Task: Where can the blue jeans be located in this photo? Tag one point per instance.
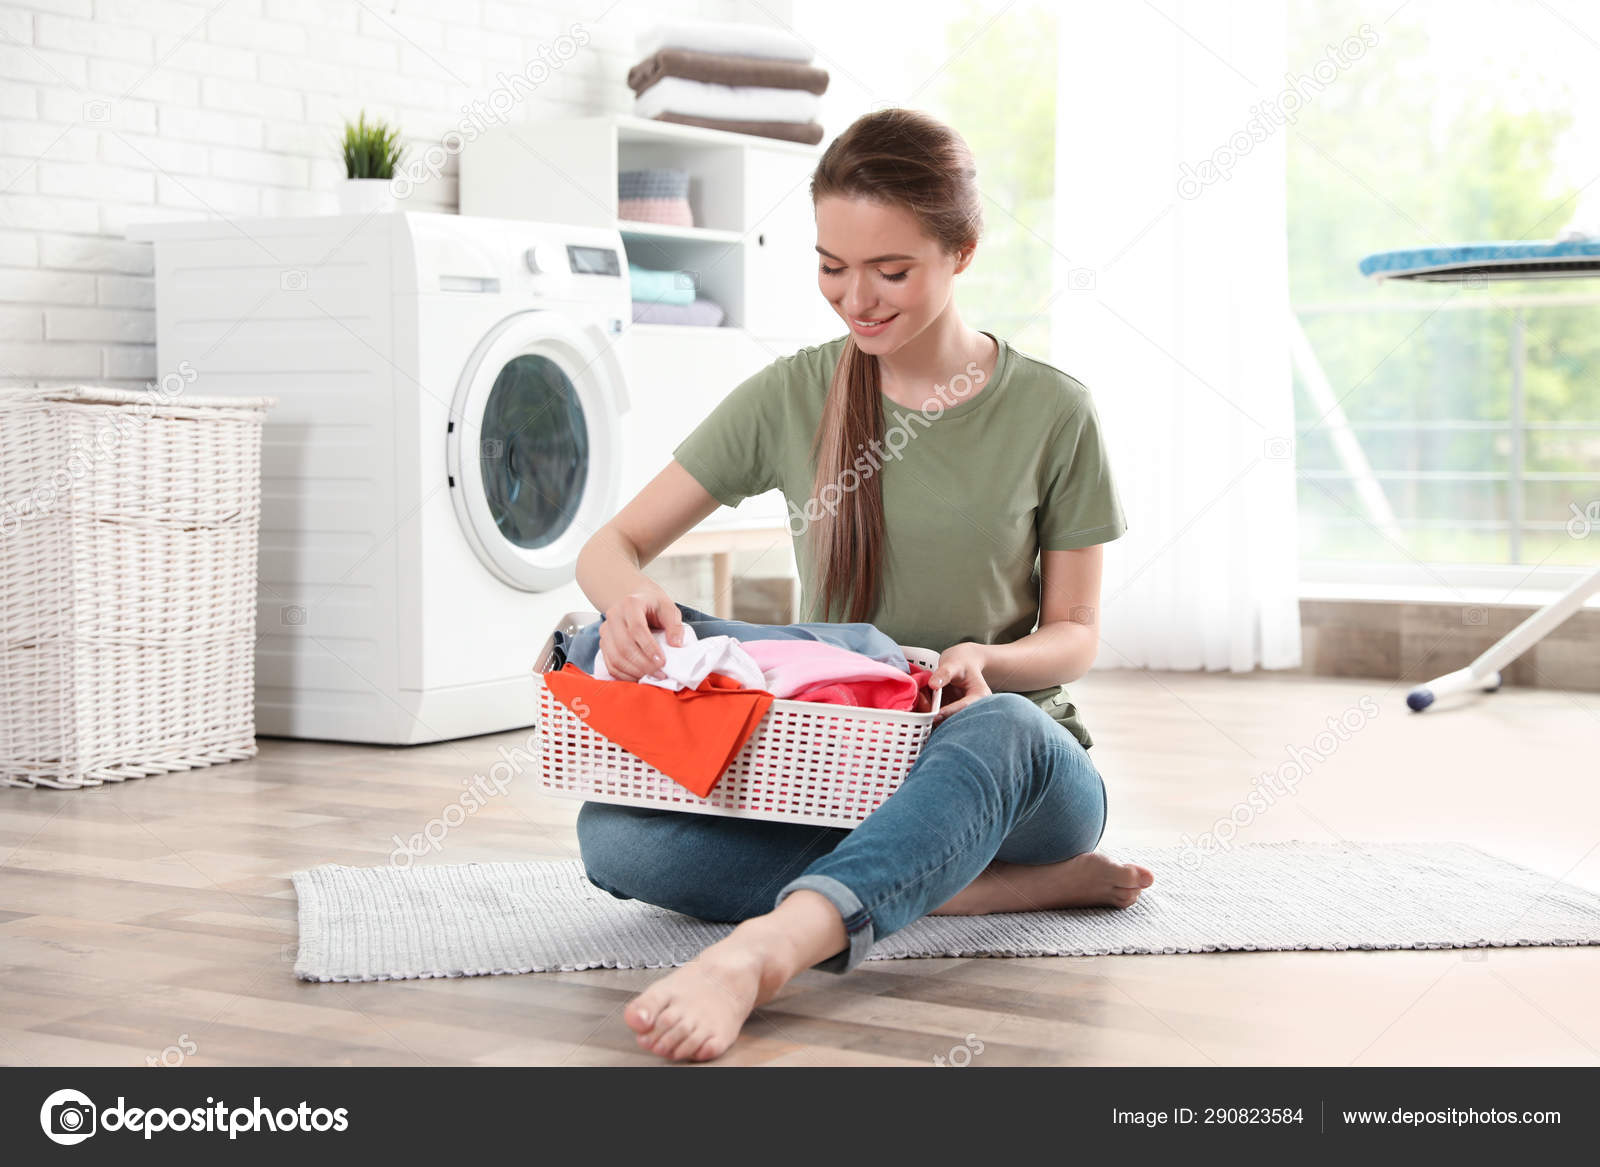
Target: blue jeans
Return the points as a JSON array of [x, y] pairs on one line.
[[998, 779]]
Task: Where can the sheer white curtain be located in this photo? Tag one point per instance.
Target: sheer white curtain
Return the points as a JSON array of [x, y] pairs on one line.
[[1172, 306]]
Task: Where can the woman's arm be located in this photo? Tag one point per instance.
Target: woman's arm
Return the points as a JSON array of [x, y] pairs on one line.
[[609, 568], [1068, 636], [1058, 652]]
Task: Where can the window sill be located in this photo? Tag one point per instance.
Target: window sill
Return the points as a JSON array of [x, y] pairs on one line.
[[1485, 585]]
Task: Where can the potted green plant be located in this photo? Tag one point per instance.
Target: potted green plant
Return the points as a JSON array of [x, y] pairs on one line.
[[371, 150]]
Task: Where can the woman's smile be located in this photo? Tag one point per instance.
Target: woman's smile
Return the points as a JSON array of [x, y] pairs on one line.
[[871, 327]]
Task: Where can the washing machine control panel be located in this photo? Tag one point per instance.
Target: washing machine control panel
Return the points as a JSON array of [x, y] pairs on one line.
[[547, 258], [533, 264], [594, 261]]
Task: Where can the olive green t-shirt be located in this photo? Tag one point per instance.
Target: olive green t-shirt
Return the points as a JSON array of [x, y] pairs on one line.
[[972, 492]]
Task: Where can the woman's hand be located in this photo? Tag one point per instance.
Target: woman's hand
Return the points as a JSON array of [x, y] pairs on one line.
[[960, 669], [627, 639]]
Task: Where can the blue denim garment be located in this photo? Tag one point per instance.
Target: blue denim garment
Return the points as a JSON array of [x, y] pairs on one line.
[[998, 779], [862, 638]]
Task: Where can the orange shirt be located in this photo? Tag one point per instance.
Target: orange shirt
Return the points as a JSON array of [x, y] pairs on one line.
[[690, 735]]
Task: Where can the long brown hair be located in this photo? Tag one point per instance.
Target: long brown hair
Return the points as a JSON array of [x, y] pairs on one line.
[[903, 158]]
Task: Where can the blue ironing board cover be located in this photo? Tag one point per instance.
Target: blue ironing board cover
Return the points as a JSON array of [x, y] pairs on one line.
[[1504, 260]]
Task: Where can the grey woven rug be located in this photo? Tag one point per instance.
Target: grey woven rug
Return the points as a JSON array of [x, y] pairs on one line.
[[386, 923]]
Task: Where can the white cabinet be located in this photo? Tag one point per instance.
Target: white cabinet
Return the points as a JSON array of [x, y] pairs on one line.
[[780, 258], [751, 248]]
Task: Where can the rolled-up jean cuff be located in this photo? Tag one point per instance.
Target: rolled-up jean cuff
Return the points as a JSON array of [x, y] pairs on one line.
[[857, 924]]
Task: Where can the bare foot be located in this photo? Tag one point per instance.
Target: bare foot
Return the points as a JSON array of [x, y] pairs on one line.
[[1090, 880], [695, 1012]]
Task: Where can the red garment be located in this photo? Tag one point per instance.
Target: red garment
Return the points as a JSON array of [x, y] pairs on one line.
[[877, 693], [690, 735]]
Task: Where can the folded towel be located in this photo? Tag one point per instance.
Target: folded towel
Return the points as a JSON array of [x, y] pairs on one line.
[[721, 36], [661, 287], [658, 182], [702, 313], [809, 133], [725, 70], [702, 99], [672, 212]]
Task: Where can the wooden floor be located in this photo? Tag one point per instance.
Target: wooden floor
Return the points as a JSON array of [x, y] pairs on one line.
[[155, 919]]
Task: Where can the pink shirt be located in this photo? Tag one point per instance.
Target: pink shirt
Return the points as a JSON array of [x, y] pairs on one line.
[[807, 670]]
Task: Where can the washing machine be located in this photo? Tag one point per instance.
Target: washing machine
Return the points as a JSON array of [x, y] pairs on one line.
[[447, 434]]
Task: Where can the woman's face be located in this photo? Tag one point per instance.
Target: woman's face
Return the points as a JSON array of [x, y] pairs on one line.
[[885, 278]]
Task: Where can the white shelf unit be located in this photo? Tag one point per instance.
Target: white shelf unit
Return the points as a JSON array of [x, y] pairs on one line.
[[752, 248]]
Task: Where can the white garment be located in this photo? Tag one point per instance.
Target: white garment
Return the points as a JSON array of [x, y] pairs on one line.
[[1176, 319], [721, 36], [694, 660], [740, 103]]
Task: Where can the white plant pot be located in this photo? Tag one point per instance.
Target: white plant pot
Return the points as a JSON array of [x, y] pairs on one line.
[[363, 196]]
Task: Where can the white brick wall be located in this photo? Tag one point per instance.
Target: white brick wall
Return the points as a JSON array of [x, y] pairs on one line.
[[121, 111]]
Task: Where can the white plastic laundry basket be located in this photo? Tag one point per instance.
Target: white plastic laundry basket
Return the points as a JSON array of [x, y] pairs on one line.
[[128, 527], [806, 762]]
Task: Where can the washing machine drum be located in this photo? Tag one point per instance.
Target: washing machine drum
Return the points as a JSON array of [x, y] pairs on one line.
[[532, 449]]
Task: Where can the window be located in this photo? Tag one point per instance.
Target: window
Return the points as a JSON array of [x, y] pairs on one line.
[[947, 61], [1457, 424]]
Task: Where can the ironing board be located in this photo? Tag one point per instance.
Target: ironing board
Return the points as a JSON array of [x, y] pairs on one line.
[[1471, 263]]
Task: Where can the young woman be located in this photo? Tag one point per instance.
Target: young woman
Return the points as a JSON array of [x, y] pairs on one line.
[[949, 490]]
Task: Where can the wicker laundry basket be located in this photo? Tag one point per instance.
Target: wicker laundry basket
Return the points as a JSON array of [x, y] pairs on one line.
[[128, 528], [806, 762]]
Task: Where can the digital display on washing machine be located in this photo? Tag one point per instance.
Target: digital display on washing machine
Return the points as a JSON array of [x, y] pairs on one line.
[[593, 261]]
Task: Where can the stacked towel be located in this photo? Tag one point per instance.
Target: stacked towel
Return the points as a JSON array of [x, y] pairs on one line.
[[737, 77], [701, 313], [660, 195], [669, 297], [660, 287]]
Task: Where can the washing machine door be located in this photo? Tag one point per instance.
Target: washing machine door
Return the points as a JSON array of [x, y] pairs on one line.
[[533, 446]]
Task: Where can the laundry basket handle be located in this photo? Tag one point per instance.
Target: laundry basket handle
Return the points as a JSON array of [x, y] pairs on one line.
[[927, 659]]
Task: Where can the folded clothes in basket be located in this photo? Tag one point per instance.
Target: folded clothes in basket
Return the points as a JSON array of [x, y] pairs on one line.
[[794, 670], [873, 694], [690, 735], [583, 647], [805, 670], [695, 659]]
